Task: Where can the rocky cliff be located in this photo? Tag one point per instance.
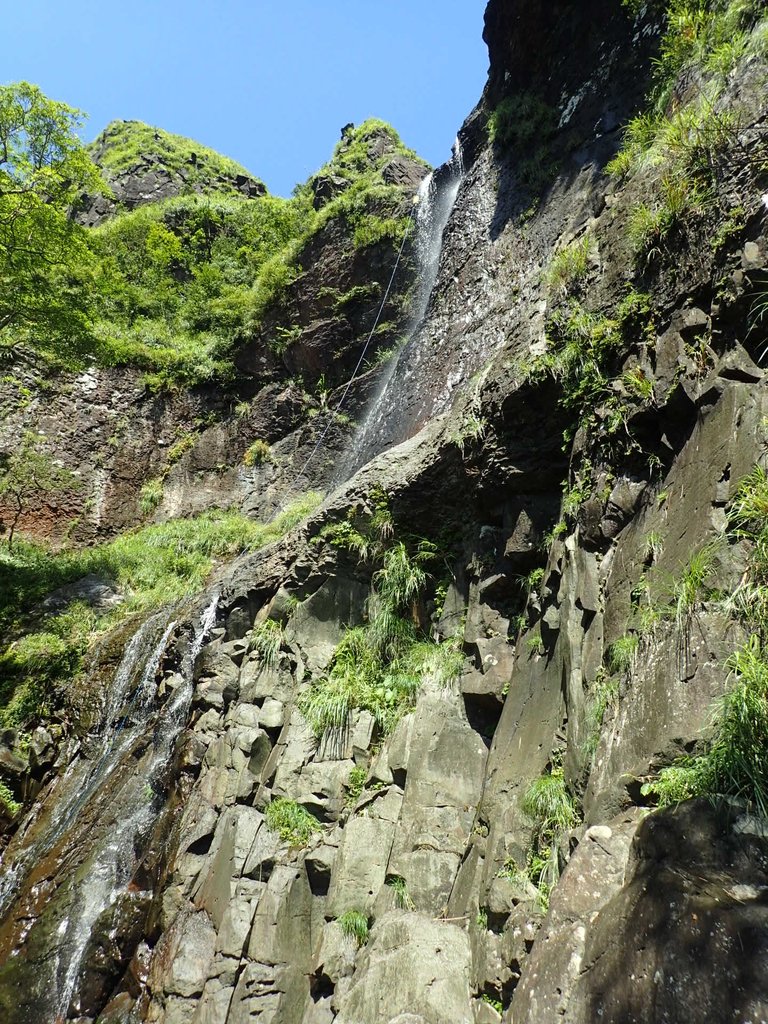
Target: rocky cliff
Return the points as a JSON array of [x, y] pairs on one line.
[[482, 737]]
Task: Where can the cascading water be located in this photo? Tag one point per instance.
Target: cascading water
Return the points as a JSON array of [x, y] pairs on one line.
[[436, 198], [105, 811]]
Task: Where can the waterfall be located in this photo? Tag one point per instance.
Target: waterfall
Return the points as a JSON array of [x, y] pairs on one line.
[[436, 197], [107, 808]]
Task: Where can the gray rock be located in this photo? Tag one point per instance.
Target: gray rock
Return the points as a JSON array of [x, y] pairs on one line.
[[412, 968]]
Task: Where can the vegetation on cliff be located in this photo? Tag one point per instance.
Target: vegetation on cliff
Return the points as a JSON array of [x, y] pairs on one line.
[[172, 287], [125, 144], [149, 567]]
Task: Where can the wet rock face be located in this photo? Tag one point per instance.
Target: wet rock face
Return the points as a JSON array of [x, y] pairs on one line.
[[425, 834]]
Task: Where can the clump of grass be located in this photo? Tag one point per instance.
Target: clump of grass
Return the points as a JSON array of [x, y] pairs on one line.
[[399, 888], [549, 804], [691, 586], [257, 454], [638, 384], [292, 822], [552, 810], [180, 448], [267, 639], [379, 667], [471, 430], [654, 545], [748, 511], [604, 695], [570, 265], [651, 223], [622, 653], [354, 925], [735, 763], [150, 496], [525, 124]]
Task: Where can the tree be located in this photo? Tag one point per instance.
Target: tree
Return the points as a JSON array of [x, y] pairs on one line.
[[45, 259], [26, 475]]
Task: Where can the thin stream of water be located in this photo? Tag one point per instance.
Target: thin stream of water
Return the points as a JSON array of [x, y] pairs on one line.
[[435, 204], [128, 812], [112, 864]]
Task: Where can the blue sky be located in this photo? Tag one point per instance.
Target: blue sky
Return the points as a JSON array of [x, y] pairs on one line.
[[267, 82]]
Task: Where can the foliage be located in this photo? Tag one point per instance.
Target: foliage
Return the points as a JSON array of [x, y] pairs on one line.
[[638, 384], [548, 803], [292, 822], [622, 653], [27, 476], [8, 800], [650, 224], [683, 144], [691, 587], [150, 496], [603, 696], [552, 810], [399, 886], [124, 144], [472, 428], [525, 124], [734, 764], [354, 925], [748, 511], [570, 265], [356, 781], [267, 639], [44, 257], [153, 565], [172, 287], [257, 454], [379, 667], [364, 532]]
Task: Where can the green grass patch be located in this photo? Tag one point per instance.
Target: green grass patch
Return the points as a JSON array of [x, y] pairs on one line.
[[292, 822], [570, 265], [379, 667], [153, 565], [354, 925], [123, 145]]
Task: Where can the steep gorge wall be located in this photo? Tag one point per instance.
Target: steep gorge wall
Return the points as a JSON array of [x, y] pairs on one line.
[[654, 911]]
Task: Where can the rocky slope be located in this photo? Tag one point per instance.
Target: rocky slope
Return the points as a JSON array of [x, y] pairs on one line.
[[481, 843]]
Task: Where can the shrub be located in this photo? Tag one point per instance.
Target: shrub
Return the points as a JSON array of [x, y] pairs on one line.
[[257, 454], [354, 925], [292, 822]]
